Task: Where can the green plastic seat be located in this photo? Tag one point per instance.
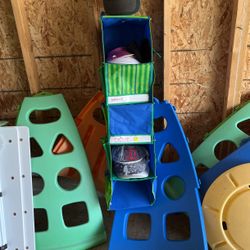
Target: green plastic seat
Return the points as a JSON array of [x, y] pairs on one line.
[[228, 130], [54, 201]]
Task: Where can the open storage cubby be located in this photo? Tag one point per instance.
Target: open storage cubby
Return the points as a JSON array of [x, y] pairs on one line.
[[130, 193], [127, 83], [130, 124]]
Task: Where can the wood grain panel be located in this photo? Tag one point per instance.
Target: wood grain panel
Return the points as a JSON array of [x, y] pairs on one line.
[[154, 9], [67, 72], [197, 125], [199, 67], [10, 103], [9, 44], [245, 91], [76, 98], [200, 24], [246, 73], [13, 76], [61, 28], [196, 98]]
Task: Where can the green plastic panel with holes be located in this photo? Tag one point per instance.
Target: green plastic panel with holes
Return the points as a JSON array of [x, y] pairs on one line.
[[71, 210], [232, 130]]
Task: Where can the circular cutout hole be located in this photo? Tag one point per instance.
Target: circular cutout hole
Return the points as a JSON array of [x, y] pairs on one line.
[[69, 178], [10, 141], [224, 148], [98, 116], [14, 214], [174, 188], [38, 183], [224, 225]]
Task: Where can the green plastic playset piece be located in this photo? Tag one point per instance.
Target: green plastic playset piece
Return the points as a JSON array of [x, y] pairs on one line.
[[53, 198], [227, 131]]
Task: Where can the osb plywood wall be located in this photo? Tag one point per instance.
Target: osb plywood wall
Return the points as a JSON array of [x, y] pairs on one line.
[[200, 36], [65, 44], [66, 49], [245, 88]]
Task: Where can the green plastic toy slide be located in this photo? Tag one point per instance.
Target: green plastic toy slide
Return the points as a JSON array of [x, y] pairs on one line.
[[73, 215]]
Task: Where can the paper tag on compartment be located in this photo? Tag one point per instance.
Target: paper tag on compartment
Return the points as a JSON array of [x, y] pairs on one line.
[[128, 99], [130, 139]]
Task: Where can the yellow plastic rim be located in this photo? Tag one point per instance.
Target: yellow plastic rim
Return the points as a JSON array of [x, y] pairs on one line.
[[226, 208]]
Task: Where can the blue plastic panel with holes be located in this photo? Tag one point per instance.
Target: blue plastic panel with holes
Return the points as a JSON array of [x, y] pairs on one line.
[[238, 157], [168, 202]]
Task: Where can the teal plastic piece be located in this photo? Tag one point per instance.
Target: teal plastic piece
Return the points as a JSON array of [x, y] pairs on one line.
[[3, 123], [53, 197], [226, 131]]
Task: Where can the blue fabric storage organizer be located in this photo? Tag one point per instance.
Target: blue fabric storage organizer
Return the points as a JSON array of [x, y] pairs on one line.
[[130, 193], [119, 31], [131, 123], [188, 203], [127, 83], [130, 120]]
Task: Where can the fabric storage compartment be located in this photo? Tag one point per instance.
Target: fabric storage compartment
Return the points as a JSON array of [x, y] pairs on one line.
[[130, 123], [130, 193], [127, 83]]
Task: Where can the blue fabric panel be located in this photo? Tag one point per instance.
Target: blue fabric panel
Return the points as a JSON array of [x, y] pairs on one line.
[[131, 119], [120, 32], [131, 194]]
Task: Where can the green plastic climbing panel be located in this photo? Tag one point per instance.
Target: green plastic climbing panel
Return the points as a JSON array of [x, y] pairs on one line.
[[228, 130], [73, 214]]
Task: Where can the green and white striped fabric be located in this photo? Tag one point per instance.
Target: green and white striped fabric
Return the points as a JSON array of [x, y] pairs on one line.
[[128, 79]]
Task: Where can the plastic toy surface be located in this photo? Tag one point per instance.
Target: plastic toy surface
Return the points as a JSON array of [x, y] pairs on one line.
[[238, 157], [226, 209], [226, 131], [131, 83], [73, 215], [16, 204], [121, 7], [91, 132], [167, 203]]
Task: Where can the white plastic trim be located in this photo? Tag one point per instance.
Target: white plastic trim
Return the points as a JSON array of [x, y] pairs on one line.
[[17, 214], [128, 99], [130, 139]]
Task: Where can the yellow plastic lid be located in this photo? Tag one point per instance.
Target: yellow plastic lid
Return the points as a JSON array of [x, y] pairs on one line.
[[226, 208]]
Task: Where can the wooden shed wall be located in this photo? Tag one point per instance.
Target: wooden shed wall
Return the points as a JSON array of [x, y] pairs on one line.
[[65, 42]]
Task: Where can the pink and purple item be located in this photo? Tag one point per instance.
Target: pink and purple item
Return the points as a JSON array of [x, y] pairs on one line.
[[121, 56]]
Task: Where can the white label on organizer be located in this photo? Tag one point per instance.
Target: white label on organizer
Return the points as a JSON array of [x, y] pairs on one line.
[[128, 99], [16, 188], [130, 139]]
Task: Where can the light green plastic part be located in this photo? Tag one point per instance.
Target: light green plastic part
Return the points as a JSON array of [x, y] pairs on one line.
[[226, 131], [53, 197], [3, 123]]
